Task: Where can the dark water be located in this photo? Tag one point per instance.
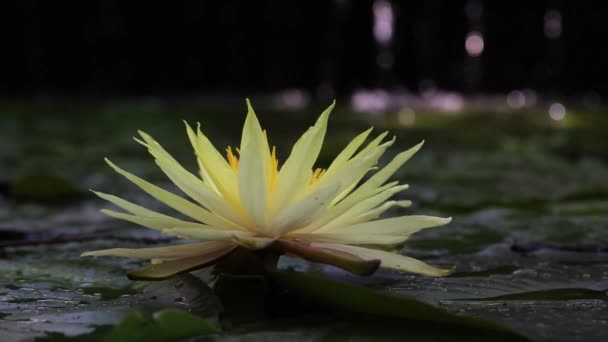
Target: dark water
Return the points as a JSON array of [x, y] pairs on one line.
[[529, 197]]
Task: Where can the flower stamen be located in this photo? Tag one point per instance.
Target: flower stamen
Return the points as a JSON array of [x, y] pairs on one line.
[[274, 167], [232, 159], [319, 172]]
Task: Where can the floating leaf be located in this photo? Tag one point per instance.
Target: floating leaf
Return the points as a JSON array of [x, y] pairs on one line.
[[166, 325], [552, 294], [182, 323], [361, 300]]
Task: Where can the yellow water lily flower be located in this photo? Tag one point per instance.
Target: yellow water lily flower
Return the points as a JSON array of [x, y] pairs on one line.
[[249, 200]]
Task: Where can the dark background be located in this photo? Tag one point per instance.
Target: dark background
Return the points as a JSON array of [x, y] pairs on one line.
[[115, 48]]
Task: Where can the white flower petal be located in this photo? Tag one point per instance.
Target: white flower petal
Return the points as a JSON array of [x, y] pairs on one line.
[[389, 260], [401, 225], [252, 130], [295, 172], [354, 170], [352, 214], [218, 170], [176, 202], [368, 188], [254, 184], [163, 269], [131, 207], [205, 234], [194, 187], [350, 239], [379, 210], [194, 142], [254, 172], [252, 242], [351, 173], [348, 151], [165, 252], [305, 210], [157, 223], [372, 145]]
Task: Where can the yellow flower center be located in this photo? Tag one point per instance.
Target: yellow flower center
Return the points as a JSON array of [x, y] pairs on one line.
[[233, 161]]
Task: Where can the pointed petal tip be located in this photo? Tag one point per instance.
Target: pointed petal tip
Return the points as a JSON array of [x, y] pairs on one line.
[[330, 108], [413, 150], [404, 203], [141, 142], [445, 273], [99, 194], [106, 212], [188, 126]]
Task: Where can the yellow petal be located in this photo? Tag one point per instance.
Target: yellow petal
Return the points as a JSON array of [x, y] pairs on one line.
[[192, 186], [295, 172], [348, 151], [170, 268], [372, 145], [165, 252], [252, 242], [252, 130], [156, 223], [379, 210], [368, 188], [254, 172], [218, 169], [176, 202], [352, 214], [401, 225], [351, 239], [305, 210], [131, 207], [389, 260], [208, 233], [346, 261], [353, 171], [194, 142]]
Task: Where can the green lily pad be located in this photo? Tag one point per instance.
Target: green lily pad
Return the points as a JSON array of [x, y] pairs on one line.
[[165, 325], [349, 298]]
